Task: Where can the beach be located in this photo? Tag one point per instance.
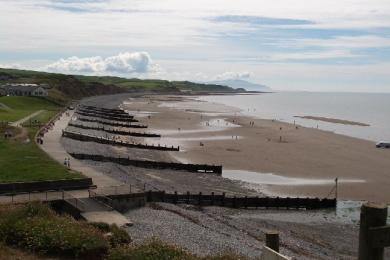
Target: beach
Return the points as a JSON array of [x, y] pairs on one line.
[[247, 151], [218, 134]]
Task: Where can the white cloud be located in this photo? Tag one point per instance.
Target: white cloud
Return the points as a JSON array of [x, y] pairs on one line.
[[233, 75], [123, 63], [11, 66], [350, 42], [307, 55]]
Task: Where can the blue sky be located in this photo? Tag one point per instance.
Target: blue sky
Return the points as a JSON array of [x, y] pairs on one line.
[[334, 45]]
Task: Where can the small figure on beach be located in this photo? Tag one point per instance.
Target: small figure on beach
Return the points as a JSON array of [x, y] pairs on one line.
[[68, 164]]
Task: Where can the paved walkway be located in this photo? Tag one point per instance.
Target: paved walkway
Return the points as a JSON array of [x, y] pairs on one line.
[[21, 121], [52, 146]]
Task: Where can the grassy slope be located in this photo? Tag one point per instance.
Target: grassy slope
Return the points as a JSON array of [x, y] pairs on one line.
[[23, 106], [21, 161], [75, 86]]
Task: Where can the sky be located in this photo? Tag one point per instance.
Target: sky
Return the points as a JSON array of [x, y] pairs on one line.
[[316, 45]]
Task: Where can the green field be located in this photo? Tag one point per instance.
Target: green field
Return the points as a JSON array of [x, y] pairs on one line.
[[25, 161], [15, 108]]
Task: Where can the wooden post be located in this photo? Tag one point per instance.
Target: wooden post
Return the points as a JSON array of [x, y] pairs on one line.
[[371, 215], [272, 240]]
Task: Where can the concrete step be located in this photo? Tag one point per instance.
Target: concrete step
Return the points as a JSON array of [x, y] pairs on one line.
[[109, 217]]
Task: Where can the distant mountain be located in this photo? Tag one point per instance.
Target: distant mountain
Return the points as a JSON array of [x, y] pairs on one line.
[[239, 83]]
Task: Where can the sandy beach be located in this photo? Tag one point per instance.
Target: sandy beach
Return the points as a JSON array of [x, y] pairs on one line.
[[300, 161], [303, 164]]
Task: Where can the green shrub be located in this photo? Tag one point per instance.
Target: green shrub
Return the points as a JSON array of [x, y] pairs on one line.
[[117, 235], [101, 226], [153, 250], [37, 228]]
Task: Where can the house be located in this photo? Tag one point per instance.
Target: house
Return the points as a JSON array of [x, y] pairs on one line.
[[26, 90]]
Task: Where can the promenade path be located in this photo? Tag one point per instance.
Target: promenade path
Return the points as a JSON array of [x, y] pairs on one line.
[[52, 146]]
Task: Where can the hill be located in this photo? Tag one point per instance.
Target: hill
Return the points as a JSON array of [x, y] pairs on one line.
[[238, 83], [64, 87]]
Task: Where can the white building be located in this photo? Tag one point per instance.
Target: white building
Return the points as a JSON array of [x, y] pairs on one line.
[[25, 90]]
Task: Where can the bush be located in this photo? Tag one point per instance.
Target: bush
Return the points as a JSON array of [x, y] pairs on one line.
[[153, 250], [37, 228], [117, 235]]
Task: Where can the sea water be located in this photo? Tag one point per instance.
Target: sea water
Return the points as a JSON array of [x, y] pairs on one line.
[[368, 108]]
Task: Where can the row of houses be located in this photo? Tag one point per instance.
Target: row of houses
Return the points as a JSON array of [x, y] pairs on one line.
[[24, 90]]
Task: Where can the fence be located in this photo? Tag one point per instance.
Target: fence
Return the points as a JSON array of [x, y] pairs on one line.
[[111, 123], [114, 118], [212, 169], [65, 184], [104, 140], [113, 131]]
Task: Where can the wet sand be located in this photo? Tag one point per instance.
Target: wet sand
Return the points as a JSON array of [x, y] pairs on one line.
[[216, 134], [333, 120]]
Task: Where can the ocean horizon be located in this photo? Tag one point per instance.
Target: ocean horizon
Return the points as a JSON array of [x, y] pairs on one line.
[[372, 109]]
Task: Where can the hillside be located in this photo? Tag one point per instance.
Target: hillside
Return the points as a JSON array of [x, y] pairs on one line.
[[64, 87], [238, 83]]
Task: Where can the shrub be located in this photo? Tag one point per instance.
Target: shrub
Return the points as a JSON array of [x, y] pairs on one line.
[[153, 250], [37, 228], [117, 236]]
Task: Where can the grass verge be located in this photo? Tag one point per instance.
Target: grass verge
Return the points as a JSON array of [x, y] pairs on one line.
[[21, 160]]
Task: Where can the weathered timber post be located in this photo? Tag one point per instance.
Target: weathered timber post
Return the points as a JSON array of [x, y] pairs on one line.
[[149, 196], [371, 215], [200, 199], [272, 240], [175, 198]]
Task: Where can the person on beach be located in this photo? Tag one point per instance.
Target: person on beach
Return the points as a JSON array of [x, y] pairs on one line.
[[65, 162], [68, 163]]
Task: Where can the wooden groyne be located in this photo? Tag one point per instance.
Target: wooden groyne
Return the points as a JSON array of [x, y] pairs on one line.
[[113, 118], [113, 131], [212, 169], [122, 115], [104, 140], [110, 123], [102, 109], [222, 200], [241, 202]]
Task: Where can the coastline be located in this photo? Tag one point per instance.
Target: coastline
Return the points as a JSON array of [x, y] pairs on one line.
[[216, 134]]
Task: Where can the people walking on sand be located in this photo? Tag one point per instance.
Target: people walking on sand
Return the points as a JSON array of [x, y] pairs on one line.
[[68, 163]]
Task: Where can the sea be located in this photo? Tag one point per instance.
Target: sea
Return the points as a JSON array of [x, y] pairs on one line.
[[368, 108]]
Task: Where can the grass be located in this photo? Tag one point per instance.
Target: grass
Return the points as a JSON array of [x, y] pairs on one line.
[[20, 107], [22, 161]]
